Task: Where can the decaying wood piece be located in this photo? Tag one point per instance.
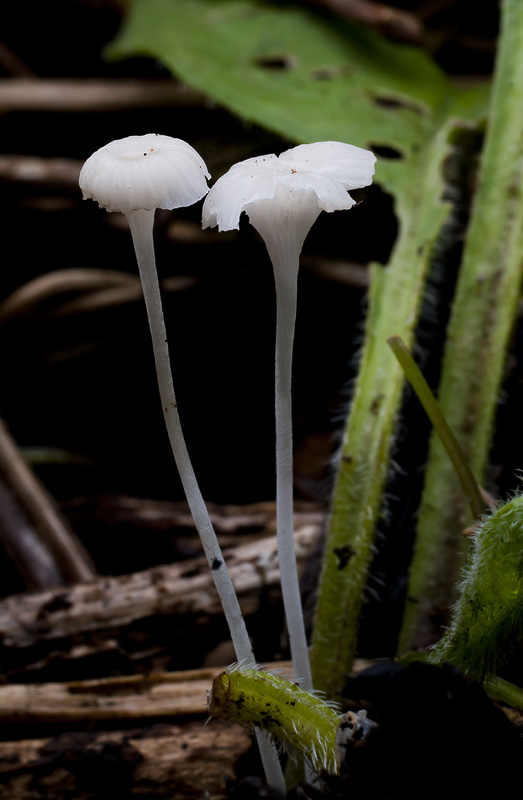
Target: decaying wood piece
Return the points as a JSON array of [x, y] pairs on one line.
[[166, 761], [113, 612], [160, 695]]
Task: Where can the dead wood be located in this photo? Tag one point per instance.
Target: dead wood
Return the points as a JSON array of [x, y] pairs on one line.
[[164, 761], [171, 608], [158, 695]]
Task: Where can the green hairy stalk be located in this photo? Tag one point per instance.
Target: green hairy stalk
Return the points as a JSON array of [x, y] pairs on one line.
[[484, 310], [303, 722], [487, 620], [394, 307]]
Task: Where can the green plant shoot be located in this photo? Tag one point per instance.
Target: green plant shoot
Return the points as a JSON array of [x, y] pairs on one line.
[[303, 722]]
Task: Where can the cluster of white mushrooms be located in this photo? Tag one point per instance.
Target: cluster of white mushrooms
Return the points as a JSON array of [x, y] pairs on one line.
[[282, 196]]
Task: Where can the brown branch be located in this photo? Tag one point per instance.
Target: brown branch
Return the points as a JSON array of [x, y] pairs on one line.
[[69, 95], [40, 509], [158, 695], [63, 172], [166, 612], [13, 64], [389, 21], [92, 288], [22, 544], [163, 515]]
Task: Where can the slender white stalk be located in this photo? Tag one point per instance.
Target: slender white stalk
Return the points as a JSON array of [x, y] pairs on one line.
[[286, 280], [141, 224], [284, 239]]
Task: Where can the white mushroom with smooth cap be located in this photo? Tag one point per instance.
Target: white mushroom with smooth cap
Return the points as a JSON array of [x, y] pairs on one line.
[[283, 196]]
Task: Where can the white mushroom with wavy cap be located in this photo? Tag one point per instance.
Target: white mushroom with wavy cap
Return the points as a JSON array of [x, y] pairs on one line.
[[283, 196]]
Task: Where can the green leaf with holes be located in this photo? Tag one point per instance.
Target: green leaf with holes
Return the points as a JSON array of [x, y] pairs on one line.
[[301, 75]]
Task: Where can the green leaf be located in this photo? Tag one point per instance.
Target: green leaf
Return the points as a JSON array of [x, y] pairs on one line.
[[305, 77]]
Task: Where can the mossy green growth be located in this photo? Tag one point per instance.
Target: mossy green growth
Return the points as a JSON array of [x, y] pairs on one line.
[[304, 723], [487, 621]]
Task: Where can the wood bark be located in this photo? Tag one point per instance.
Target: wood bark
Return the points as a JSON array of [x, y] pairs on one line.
[[171, 610], [171, 762], [159, 695]]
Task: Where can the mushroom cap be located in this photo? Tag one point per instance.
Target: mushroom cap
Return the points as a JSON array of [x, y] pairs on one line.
[[144, 172], [322, 173]]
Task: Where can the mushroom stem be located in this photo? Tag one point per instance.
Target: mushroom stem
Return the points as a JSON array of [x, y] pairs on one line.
[[141, 225], [286, 281]]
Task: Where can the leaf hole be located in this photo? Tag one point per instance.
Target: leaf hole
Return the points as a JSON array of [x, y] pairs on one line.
[[276, 63], [384, 151], [396, 103]]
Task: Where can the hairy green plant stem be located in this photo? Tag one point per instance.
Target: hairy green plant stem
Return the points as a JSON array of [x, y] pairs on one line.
[[304, 723], [395, 300], [483, 315]]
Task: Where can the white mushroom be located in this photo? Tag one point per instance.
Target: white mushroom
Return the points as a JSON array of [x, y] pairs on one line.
[[135, 176], [283, 196]]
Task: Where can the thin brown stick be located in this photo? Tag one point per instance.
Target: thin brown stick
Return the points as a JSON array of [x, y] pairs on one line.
[[63, 172], [23, 546], [13, 64], [158, 695], [388, 20], [69, 95], [74, 562]]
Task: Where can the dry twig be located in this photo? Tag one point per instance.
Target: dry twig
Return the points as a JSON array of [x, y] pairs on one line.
[[72, 560], [74, 95], [390, 21]]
